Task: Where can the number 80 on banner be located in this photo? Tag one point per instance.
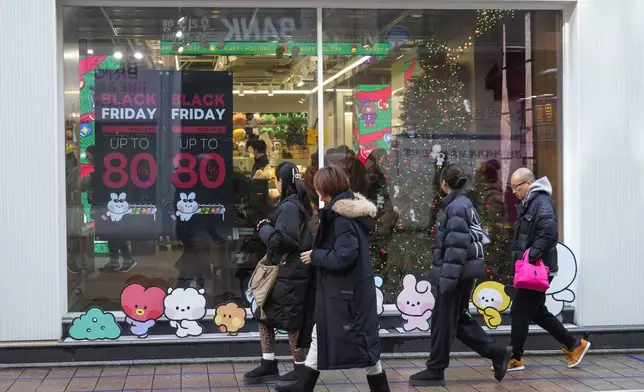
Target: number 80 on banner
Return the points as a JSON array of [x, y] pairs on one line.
[[188, 171]]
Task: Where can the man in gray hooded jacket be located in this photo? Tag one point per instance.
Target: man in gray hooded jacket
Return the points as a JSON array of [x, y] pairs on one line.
[[536, 229]]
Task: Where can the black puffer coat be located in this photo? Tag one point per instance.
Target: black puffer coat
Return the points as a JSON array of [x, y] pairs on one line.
[[342, 303], [459, 249], [536, 226], [287, 234]]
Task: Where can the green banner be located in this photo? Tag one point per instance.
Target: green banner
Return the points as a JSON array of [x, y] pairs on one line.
[[268, 48]]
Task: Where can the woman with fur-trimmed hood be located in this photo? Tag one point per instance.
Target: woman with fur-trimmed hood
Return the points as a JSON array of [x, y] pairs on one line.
[[341, 320]]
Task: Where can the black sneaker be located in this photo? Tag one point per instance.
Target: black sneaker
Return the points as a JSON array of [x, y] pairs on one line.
[[306, 380], [290, 377], [266, 372], [112, 266], [501, 366], [428, 378], [127, 266], [73, 268]]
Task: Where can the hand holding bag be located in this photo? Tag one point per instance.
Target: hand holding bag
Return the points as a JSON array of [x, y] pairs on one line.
[[531, 276], [262, 282]]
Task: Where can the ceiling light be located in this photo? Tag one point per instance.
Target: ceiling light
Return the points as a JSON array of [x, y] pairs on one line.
[[417, 16], [138, 55], [348, 103], [90, 51], [241, 90], [399, 56], [342, 71], [179, 34], [300, 83], [181, 20], [180, 50], [348, 113], [270, 91], [118, 55]]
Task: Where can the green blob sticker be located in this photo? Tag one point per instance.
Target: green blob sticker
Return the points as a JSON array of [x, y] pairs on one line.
[[95, 324]]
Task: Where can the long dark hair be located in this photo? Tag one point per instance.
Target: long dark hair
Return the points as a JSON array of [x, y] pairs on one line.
[[454, 176], [289, 174]]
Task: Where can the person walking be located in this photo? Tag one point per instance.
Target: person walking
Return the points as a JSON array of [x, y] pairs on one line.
[[457, 261], [536, 229], [341, 322], [286, 234]]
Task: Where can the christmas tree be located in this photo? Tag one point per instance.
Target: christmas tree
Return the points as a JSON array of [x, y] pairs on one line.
[[434, 131], [433, 116]]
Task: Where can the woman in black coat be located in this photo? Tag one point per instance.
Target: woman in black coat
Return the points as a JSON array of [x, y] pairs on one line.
[[457, 261], [286, 234], [341, 322]]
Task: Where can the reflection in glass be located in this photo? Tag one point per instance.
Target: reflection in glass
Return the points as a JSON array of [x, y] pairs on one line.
[[183, 57], [422, 89]]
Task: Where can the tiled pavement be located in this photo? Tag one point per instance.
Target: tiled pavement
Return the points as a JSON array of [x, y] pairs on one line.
[[597, 373]]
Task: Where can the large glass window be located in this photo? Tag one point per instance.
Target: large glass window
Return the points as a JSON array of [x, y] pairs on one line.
[[421, 89], [176, 119]]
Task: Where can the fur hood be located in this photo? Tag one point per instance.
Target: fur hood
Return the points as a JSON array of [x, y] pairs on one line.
[[356, 207]]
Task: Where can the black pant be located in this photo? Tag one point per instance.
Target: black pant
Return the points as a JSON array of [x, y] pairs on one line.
[[115, 246], [528, 306], [451, 319]]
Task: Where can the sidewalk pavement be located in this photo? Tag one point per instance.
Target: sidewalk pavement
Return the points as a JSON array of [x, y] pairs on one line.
[[596, 373]]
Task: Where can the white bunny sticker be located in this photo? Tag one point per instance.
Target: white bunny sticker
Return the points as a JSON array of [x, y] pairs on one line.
[[187, 206], [117, 207], [415, 303]]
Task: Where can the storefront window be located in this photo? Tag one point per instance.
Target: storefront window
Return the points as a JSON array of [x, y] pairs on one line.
[[176, 120], [177, 117], [421, 89]]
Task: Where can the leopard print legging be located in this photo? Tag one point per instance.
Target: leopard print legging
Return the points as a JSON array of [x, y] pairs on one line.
[[267, 339]]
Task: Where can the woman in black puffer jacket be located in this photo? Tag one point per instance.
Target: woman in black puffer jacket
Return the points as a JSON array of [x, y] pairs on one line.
[[458, 260], [286, 234], [341, 322]]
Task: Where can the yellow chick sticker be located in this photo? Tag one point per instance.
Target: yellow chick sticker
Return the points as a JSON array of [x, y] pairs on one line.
[[491, 300], [230, 318]]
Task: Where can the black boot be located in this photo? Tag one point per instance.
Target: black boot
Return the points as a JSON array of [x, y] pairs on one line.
[[428, 378], [266, 372], [501, 365], [290, 377], [378, 382], [306, 380]]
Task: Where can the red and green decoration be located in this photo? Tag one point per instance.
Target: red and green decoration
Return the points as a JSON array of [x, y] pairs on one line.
[[86, 69], [372, 120]]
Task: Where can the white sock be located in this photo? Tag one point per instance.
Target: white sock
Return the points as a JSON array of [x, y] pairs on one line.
[[268, 357], [375, 369]]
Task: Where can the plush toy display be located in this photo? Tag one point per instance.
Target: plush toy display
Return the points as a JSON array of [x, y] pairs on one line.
[[239, 119], [312, 136], [239, 134]]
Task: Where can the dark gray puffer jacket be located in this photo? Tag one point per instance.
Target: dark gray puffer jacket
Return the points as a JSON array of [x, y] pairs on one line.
[[459, 243], [536, 226]]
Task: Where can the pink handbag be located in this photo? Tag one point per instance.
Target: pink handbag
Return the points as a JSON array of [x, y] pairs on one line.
[[530, 276]]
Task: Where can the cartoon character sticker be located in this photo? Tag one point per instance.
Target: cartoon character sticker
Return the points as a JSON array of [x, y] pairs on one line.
[[95, 324], [117, 207], [368, 109], [187, 206], [415, 303], [379, 295], [184, 308], [491, 299], [559, 294], [142, 307], [230, 318]]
